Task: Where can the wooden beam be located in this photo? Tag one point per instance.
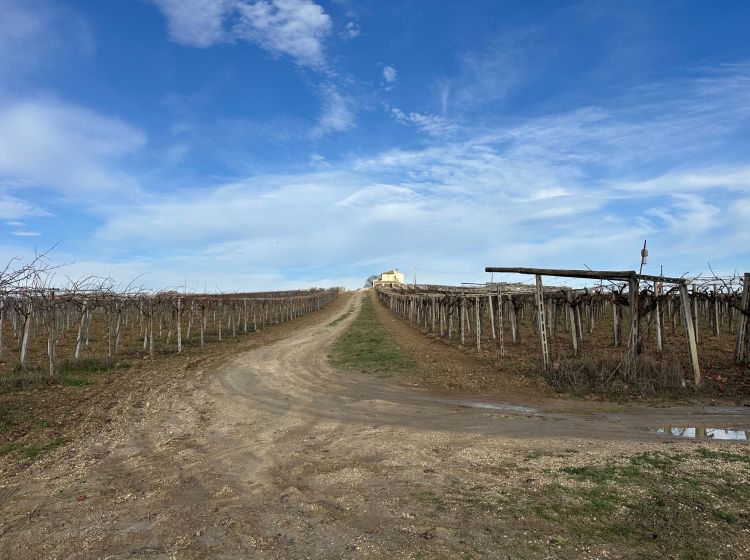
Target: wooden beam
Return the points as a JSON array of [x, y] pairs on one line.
[[621, 275], [592, 274]]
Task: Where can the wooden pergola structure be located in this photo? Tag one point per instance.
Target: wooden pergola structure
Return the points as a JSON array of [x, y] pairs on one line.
[[633, 279]]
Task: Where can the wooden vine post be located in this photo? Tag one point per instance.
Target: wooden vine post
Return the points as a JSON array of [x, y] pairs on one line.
[[542, 321], [572, 320], [690, 331], [633, 302], [740, 347]]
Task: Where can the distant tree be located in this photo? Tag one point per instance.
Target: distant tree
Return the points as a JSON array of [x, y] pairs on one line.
[[370, 280]]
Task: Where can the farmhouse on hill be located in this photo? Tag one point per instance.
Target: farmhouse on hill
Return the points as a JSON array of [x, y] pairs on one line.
[[389, 279]]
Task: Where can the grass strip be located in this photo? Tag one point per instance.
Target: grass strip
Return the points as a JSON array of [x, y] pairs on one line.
[[366, 347]]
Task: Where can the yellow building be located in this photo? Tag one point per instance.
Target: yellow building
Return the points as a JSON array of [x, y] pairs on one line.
[[390, 278]]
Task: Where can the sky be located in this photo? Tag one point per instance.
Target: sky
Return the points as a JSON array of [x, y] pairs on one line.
[[239, 145]]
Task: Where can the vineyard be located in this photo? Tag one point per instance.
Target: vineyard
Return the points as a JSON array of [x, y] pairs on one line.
[[623, 330], [42, 328]]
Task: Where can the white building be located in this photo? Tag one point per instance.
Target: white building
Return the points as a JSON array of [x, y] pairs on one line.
[[389, 278]]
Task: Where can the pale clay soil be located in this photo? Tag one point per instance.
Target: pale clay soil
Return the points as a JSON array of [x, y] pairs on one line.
[[277, 455]]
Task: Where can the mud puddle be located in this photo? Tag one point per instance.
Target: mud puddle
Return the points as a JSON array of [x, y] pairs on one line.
[[503, 407]]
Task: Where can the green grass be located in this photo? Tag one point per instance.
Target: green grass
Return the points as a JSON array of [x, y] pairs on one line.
[[6, 418], [430, 499], [366, 347], [643, 499], [32, 450], [339, 319], [78, 373], [724, 456]]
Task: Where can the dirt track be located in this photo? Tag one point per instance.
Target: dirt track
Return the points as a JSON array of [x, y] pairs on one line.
[[276, 455]]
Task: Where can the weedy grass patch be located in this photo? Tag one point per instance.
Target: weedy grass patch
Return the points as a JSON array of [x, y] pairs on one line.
[[31, 450], [79, 373], [366, 347]]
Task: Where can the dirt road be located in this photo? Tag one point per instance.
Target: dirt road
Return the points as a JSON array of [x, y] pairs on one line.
[[277, 455]]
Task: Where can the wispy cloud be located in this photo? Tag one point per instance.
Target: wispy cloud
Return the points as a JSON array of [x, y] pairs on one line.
[[293, 28], [35, 32], [338, 112], [435, 125], [13, 208], [53, 144], [390, 74], [491, 73], [352, 30]]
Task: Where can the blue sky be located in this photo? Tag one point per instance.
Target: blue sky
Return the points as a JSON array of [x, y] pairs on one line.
[[245, 144]]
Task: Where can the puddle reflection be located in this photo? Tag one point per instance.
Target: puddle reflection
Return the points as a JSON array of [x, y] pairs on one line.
[[485, 405], [703, 432]]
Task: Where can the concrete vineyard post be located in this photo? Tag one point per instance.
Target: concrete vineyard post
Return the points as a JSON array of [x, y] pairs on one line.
[[52, 335], [500, 334], [492, 316], [542, 322], [179, 325], [25, 337], [689, 329], [81, 326], [479, 324]]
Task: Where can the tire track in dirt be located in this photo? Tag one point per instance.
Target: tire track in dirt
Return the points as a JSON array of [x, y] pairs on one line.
[[294, 378]]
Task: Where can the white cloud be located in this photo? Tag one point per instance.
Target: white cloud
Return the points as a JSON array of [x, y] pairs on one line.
[[390, 74], [352, 30], [26, 233], [293, 28], [491, 73], [176, 153], [196, 23], [338, 113], [434, 125], [697, 180], [35, 32], [563, 189], [54, 144], [319, 161], [13, 208]]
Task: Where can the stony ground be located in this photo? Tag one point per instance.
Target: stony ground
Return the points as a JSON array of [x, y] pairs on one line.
[[271, 452]]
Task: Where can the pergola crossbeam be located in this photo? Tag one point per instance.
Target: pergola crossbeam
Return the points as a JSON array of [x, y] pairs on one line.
[[618, 275]]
